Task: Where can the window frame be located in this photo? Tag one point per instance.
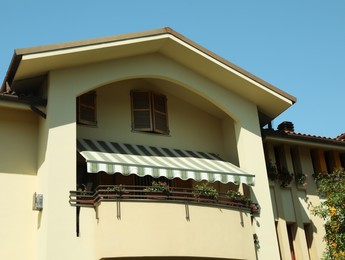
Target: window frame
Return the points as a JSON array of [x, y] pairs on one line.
[[154, 111], [91, 107]]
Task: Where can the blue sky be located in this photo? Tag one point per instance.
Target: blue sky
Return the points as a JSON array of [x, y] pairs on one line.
[[298, 46]]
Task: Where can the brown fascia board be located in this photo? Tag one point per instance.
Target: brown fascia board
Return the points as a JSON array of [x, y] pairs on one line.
[[166, 30], [11, 72], [234, 66], [266, 133]]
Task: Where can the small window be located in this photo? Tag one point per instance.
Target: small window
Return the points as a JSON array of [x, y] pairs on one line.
[[86, 109], [149, 112]]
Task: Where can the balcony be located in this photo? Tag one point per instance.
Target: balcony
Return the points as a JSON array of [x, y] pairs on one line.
[[186, 196], [131, 222]]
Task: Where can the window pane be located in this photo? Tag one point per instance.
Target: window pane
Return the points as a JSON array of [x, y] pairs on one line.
[[87, 109], [160, 103], [142, 120], [149, 112], [141, 100], [87, 114], [88, 99], [161, 124]]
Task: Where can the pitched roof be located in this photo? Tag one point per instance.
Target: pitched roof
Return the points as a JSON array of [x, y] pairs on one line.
[[36, 61], [291, 135]]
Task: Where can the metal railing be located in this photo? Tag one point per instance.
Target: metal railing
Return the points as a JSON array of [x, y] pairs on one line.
[[138, 193]]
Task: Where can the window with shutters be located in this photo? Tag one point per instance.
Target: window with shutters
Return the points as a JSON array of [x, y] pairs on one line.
[[86, 109], [149, 112]]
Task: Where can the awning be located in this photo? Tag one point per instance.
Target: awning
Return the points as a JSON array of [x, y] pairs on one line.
[[111, 157]]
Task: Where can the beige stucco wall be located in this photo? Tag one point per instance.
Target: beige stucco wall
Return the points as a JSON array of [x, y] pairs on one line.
[[190, 127], [18, 133], [252, 158], [161, 229], [18, 168], [294, 205]]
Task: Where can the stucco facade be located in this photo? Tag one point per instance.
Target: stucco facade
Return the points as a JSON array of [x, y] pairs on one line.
[[213, 106], [293, 203]]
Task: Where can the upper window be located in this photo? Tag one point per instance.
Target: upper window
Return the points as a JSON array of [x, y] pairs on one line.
[[86, 108], [149, 112]]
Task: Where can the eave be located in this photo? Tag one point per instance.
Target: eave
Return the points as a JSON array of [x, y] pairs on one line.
[[297, 139], [37, 61]]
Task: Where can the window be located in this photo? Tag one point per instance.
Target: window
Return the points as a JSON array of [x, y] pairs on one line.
[[86, 108], [279, 154], [149, 112], [296, 162]]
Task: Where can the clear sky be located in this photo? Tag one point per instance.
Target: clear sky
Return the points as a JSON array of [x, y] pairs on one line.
[[296, 45]]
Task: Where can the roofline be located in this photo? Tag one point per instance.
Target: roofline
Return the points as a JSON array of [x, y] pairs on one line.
[[11, 71], [268, 134], [166, 30]]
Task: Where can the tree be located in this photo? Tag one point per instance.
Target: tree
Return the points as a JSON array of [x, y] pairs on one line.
[[331, 188]]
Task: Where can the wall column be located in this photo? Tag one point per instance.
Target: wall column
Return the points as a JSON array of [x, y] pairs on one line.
[[58, 175], [252, 159]]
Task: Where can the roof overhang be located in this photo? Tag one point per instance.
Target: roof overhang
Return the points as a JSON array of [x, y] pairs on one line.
[[292, 138], [37, 61]]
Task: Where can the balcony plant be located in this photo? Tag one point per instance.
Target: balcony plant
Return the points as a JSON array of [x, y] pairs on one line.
[[82, 190], [83, 195], [254, 208], [159, 187], [118, 189], [301, 179], [205, 191], [285, 177], [237, 198], [272, 171]]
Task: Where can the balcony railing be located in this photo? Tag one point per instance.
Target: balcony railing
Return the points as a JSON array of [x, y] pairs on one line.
[[138, 193]]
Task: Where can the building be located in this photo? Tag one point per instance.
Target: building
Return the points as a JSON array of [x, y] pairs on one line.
[[300, 157], [86, 126]]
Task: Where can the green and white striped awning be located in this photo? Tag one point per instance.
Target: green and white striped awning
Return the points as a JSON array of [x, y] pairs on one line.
[[111, 157]]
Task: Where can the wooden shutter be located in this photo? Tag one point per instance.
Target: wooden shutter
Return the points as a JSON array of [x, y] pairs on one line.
[[160, 113], [141, 111], [87, 109]]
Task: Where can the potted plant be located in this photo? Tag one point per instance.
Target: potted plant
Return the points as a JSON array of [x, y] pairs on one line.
[[272, 171], [236, 198], [84, 195], [118, 189], [254, 209], [301, 179], [285, 177], [158, 188], [205, 191]]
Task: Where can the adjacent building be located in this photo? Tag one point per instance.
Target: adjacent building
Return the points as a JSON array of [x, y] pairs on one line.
[[91, 129], [293, 161]]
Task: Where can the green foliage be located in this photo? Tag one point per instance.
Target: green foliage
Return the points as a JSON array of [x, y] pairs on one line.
[[332, 210], [301, 179], [159, 186], [236, 196], [285, 177], [116, 188], [272, 171], [204, 189], [82, 190]]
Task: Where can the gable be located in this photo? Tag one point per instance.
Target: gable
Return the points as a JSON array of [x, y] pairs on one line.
[[36, 61]]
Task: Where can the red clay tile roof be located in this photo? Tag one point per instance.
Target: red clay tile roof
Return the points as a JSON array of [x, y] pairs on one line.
[[341, 136], [339, 140], [314, 136]]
